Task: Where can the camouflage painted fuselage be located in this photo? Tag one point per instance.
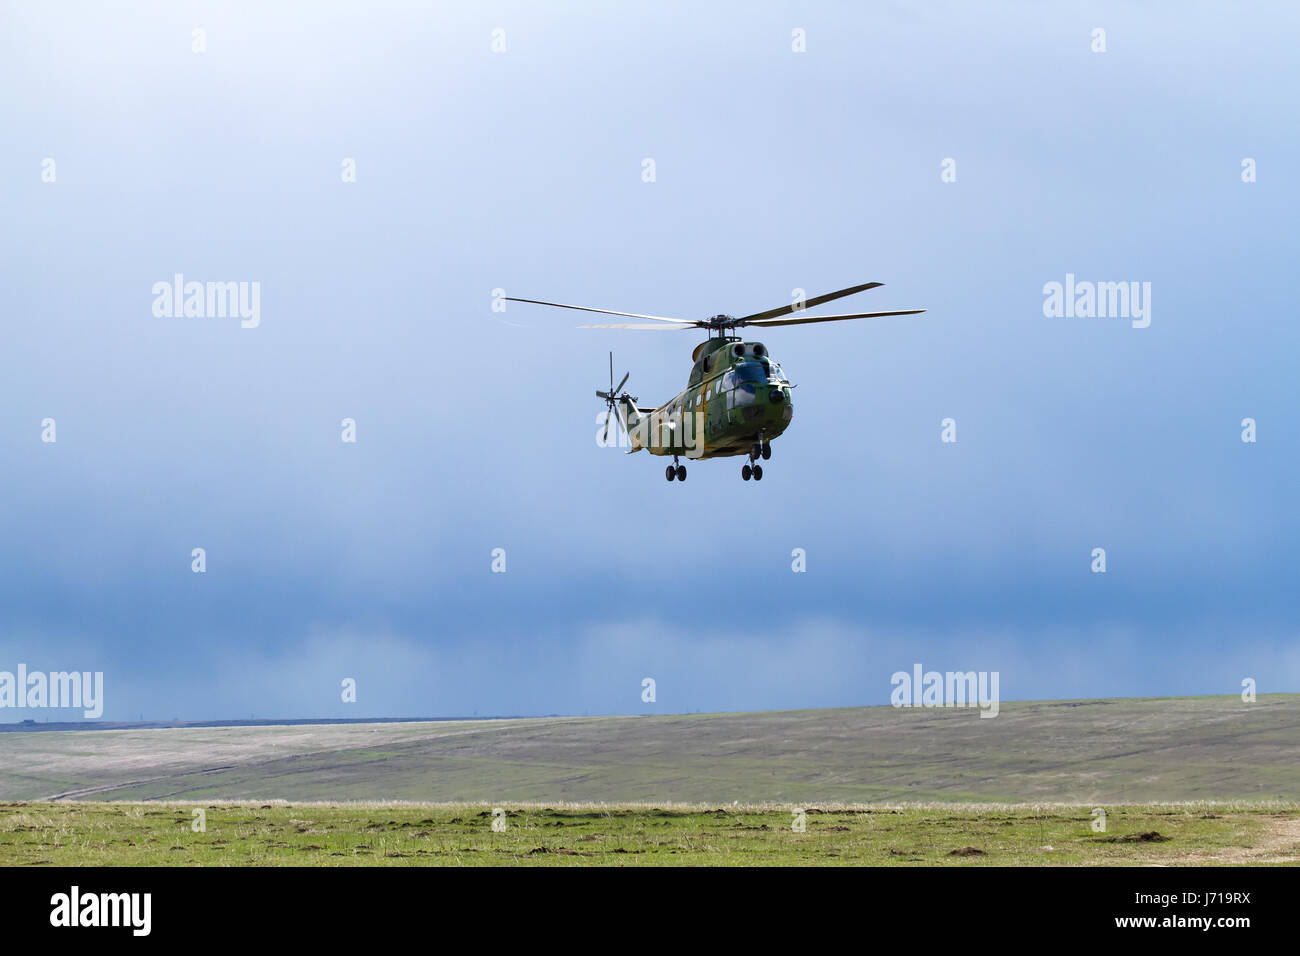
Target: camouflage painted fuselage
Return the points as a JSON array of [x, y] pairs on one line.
[[736, 396]]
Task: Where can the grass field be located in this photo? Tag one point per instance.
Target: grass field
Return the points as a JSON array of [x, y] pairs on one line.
[[1207, 780], [1098, 752], [93, 834]]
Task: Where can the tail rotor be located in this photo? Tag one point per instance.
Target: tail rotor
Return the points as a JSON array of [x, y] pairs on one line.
[[611, 397]]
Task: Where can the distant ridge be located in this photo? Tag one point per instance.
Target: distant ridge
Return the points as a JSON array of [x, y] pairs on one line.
[[1144, 750], [29, 725]]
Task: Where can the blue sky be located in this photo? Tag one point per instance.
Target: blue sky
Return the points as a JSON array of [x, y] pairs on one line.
[[521, 170]]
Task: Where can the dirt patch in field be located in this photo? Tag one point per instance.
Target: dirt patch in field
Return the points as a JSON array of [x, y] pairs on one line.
[[1279, 843], [1151, 836]]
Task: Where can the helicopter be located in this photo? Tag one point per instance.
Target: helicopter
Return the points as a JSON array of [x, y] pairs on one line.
[[737, 399]]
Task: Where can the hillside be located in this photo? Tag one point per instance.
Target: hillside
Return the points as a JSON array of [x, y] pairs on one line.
[[1098, 751]]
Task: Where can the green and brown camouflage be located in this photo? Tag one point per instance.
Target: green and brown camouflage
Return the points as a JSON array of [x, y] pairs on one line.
[[736, 396]]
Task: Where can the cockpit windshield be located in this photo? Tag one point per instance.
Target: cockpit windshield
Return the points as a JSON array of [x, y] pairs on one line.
[[777, 374], [750, 372]]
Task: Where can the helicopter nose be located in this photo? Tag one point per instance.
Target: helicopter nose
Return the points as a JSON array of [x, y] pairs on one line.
[[776, 396]]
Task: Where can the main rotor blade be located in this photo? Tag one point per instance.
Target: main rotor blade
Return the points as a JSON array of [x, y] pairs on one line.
[[608, 415], [833, 318], [583, 308], [619, 387], [809, 303], [656, 328]]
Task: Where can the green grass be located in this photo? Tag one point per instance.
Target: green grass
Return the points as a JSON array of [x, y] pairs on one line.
[[395, 834], [1203, 780]]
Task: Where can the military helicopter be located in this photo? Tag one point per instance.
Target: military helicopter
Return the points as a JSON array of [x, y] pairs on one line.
[[737, 399]]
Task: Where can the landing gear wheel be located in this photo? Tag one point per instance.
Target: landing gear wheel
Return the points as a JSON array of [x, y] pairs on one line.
[[755, 451], [670, 473], [767, 450], [681, 472], [746, 472], [758, 472]]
